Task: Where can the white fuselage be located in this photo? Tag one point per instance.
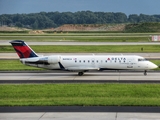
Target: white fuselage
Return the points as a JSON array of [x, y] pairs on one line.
[[91, 62]]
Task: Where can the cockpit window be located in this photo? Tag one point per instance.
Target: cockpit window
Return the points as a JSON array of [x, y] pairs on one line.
[[142, 59]]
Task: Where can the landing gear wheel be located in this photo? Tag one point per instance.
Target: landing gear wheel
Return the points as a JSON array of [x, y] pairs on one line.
[[80, 73], [145, 72]]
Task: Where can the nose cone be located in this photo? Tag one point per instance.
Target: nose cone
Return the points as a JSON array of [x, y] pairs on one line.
[[153, 66]]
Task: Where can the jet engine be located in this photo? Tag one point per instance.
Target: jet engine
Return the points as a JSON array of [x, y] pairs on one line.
[[49, 60], [53, 59]]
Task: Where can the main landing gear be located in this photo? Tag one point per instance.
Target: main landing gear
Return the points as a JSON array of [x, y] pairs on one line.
[[80, 73], [145, 72]]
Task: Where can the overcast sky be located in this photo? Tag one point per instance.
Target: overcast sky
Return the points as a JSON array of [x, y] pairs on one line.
[[149, 7]]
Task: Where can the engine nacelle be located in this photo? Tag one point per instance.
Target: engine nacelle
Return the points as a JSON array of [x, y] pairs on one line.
[[53, 59], [49, 60], [42, 60]]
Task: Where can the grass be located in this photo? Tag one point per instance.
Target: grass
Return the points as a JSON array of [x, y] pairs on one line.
[[80, 94], [82, 37], [157, 62], [16, 65], [80, 34], [76, 38], [88, 48]]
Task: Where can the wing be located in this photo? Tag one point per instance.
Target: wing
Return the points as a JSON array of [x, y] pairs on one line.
[[81, 68]]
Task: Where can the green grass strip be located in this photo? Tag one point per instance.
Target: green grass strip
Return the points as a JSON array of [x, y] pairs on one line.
[[16, 65], [78, 38], [80, 94], [89, 48]]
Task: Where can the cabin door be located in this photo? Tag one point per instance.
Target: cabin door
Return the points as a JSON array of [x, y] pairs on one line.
[[130, 63]]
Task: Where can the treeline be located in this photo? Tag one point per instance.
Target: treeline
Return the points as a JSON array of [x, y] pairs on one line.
[[143, 27], [44, 20]]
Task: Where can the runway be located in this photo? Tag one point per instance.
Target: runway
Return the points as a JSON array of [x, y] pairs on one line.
[[79, 116], [64, 42], [72, 77], [79, 112], [149, 56]]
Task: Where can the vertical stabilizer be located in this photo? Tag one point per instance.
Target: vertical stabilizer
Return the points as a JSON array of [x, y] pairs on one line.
[[22, 49]]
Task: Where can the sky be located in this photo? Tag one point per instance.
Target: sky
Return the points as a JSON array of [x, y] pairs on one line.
[[149, 7]]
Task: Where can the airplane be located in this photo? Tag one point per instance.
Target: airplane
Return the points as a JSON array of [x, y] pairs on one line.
[[81, 63]]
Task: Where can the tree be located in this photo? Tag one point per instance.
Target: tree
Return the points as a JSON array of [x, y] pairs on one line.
[[35, 25], [44, 20], [18, 24], [134, 18]]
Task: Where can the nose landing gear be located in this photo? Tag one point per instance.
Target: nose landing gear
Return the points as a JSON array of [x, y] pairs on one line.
[[145, 72]]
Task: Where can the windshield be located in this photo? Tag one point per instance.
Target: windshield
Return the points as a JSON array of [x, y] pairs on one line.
[[142, 59]]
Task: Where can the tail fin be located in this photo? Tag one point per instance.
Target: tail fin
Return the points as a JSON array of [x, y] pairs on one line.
[[22, 49]]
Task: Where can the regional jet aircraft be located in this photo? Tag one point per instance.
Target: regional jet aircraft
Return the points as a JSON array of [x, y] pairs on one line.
[[81, 63]]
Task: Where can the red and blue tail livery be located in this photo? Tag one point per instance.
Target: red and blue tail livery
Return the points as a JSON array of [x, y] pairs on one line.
[[22, 49]]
